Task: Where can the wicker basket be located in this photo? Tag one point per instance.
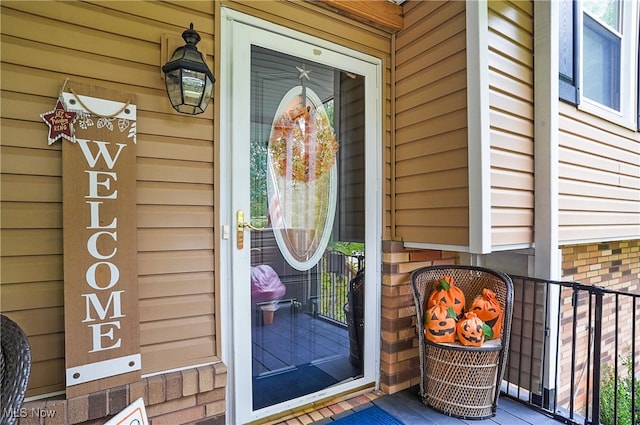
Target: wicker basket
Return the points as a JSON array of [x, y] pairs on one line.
[[461, 381], [15, 368], [457, 380]]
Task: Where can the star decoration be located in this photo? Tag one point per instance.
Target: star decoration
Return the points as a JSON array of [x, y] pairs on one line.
[[304, 73], [60, 122]]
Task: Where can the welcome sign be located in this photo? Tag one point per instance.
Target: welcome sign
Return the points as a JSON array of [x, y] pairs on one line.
[[99, 218]]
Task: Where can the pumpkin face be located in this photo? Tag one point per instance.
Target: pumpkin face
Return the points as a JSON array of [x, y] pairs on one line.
[[440, 323], [448, 293], [487, 307], [470, 330]]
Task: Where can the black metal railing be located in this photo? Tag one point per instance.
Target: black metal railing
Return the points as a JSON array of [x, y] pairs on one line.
[[335, 272], [575, 352]]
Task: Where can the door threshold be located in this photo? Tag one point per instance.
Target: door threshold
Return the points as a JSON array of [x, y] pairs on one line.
[[334, 404]]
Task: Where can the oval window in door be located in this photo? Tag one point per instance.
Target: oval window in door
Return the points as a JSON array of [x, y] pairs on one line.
[[302, 178]]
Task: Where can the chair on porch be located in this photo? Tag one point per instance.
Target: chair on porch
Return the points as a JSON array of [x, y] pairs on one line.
[[15, 367], [458, 380]]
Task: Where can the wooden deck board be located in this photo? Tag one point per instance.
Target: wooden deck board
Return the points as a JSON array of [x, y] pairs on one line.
[[297, 338], [407, 407]]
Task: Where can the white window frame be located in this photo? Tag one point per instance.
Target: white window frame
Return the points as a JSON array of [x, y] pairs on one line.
[[627, 116]]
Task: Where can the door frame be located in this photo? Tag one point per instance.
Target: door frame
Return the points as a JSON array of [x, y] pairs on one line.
[[233, 100]]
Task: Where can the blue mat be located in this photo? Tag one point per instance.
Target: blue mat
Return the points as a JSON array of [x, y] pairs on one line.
[[371, 415], [276, 388]]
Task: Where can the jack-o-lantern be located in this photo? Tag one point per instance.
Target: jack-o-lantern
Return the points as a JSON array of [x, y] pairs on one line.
[[487, 307], [440, 323], [471, 330], [448, 293]]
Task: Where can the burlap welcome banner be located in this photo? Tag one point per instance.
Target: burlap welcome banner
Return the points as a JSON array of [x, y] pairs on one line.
[[100, 265]]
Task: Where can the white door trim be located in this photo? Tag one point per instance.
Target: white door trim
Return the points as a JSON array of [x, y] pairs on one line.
[[238, 32]]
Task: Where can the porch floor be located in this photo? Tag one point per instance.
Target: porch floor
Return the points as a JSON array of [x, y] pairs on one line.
[[285, 343], [296, 338], [297, 354], [408, 409]]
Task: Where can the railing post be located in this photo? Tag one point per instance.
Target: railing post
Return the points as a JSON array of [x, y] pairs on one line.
[[597, 355]]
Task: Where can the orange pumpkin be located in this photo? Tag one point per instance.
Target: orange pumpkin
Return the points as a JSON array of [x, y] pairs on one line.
[[440, 323], [487, 307], [448, 293], [470, 330]]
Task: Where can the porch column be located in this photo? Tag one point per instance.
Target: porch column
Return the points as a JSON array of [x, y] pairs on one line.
[[547, 260]]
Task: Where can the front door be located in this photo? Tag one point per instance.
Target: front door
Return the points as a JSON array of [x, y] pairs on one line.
[[302, 160]]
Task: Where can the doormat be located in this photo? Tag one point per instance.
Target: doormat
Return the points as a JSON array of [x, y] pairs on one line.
[[371, 416], [279, 387]]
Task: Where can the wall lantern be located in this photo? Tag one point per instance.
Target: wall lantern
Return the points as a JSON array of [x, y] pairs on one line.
[[188, 78]]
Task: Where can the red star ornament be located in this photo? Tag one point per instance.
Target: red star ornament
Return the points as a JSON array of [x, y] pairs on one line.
[[60, 122]]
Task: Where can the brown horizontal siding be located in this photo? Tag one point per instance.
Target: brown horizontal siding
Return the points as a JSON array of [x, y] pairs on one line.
[[114, 45], [416, 96], [431, 178], [510, 40], [599, 178], [452, 126], [421, 146], [435, 162], [437, 235]]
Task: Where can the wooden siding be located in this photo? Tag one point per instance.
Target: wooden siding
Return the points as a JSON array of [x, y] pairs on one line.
[[431, 179], [114, 45], [117, 45], [510, 40], [599, 178]]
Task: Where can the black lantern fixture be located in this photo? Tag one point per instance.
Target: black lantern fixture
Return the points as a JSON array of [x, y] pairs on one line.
[[188, 78]]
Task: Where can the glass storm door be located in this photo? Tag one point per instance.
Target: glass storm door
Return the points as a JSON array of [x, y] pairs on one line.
[[300, 242]]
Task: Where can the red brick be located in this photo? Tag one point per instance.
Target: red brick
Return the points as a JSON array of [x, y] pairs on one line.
[[205, 378], [425, 255], [189, 381], [28, 418], [78, 409], [171, 406], [118, 399], [185, 416], [220, 371], [392, 246], [211, 396], [98, 405], [173, 385], [215, 408], [138, 390], [325, 412], [156, 389], [335, 408], [54, 412]]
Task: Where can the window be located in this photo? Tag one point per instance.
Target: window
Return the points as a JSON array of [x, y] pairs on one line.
[[599, 58], [601, 66]]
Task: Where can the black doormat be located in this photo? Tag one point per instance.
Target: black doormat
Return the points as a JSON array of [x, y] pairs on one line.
[[288, 384]]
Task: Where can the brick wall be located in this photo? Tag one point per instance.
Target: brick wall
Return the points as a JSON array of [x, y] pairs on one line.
[[399, 359], [612, 265], [193, 396]]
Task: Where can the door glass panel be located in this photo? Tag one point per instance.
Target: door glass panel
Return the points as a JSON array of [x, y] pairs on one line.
[[307, 194]]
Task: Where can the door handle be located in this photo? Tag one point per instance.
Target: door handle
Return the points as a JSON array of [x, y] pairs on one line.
[[241, 226]]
